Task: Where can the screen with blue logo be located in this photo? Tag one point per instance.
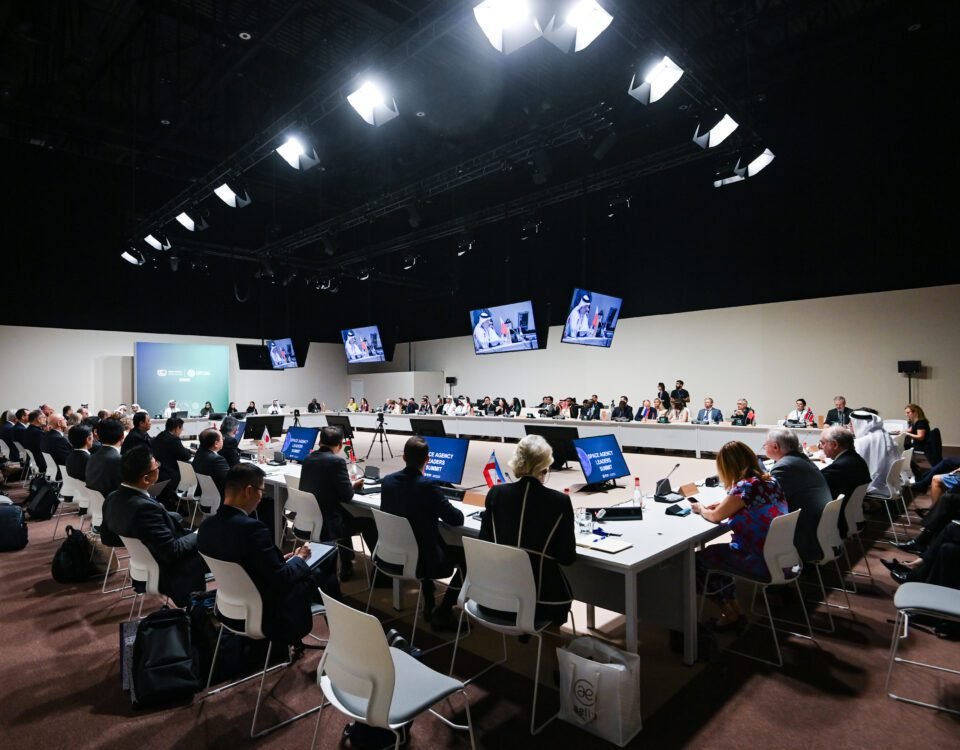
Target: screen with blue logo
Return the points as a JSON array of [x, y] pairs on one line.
[[448, 456], [600, 458], [299, 442], [241, 426]]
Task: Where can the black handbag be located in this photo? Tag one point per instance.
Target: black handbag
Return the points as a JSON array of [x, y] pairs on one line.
[[164, 669]]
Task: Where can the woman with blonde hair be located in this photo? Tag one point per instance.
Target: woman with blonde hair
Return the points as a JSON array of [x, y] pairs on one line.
[[753, 500]]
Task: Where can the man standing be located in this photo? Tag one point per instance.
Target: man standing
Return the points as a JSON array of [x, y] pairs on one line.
[[409, 494], [839, 414], [708, 414], [680, 393], [848, 470], [804, 486], [139, 435]]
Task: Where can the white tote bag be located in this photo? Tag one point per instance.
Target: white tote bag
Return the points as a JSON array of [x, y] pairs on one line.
[[600, 689]]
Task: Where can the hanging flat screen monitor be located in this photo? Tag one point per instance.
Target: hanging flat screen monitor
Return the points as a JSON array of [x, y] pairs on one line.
[[282, 356], [299, 442], [363, 344], [601, 459], [507, 328], [592, 319], [448, 456]]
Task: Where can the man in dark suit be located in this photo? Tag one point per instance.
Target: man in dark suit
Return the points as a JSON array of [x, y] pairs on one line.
[[804, 486], [547, 408], [646, 411], [409, 494], [81, 441], [623, 412], [32, 437], [324, 473], [103, 468], [208, 459], [708, 414], [231, 446], [54, 443], [7, 434], [848, 470], [286, 584], [129, 511], [168, 449], [839, 414], [139, 435]]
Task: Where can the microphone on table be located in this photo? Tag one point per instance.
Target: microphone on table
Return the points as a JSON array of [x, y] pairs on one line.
[[671, 471]]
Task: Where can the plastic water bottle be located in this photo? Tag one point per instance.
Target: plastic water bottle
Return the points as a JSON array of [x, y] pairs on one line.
[[637, 498]]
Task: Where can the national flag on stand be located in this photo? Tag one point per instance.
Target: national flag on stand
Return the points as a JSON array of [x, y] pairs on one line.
[[492, 473], [265, 438]]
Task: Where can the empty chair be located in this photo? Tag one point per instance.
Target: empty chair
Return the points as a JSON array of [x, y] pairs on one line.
[[855, 524], [375, 684], [396, 556], [307, 518], [187, 487], [831, 547], [209, 501], [95, 500], [144, 569]]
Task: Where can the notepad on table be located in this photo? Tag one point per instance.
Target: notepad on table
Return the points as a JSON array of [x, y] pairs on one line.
[[609, 544]]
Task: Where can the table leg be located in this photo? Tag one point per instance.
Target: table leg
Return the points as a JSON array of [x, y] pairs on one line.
[[689, 594], [279, 524], [630, 610], [397, 595], [591, 617]]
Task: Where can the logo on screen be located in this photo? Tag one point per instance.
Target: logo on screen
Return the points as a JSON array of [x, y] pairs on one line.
[[161, 373], [191, 373]]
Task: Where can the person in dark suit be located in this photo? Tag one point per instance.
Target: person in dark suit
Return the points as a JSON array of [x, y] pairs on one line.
[[528, 515], [168, 448], [623, 412], [708, 414], [231, 446], [805, 488], [208, 459], [839, 414], [7, 434], [32, 437], [139, 435], [129, 511], [663, 394], [848, 470], [324, 473], [103, 468], [547, 408], [646, 413], [286, 584], [409, 494], [54, 443], [81, 440]]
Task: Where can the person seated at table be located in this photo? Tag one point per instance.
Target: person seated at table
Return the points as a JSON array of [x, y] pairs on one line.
[[708, 414], [877, 448], [168, 448], [547, 408], [487, 406], [660, 408], [744, 413], [167, 413], [448, 407], [678, 412], [411, 406], [364, 405], [847, 471], [839, 414], [463, 407], [275, 407], [538, 520], [81, 440], [209, 461], [516, 406], [251, 408], [622, 412], [646, 413], [918, 437], [231, 446], [501, 407], [802, 414], [207, 409], [352, 405], [314, 407], [586, 410], [753, 499], [232, 409]]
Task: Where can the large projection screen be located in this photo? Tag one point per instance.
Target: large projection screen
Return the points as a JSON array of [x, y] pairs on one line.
[[189, 373]]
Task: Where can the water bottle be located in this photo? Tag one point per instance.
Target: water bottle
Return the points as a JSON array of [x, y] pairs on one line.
[[637, 498]]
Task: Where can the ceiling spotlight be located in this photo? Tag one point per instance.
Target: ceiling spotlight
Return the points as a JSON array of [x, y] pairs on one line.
[[372, 104], [581, 23], [657, 82], [753, 160], [174, 263], [463, 247], [133, 256], [264, 272], [289, 278], [297, 155], [617, 202], [245, 36], [157, 241], [194, 221], [364, 274], [713, 129], [508, 24], [530, 228], [409, 261], [233, 194]]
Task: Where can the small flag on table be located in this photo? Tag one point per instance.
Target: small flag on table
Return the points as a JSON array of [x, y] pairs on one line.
[[492, 473]]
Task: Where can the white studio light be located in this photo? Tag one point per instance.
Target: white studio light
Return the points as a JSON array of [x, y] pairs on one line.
[[507, 24], [583, 21], [754, 165], [657, 82], [133, 256], [372, 104], [157, 241], [296, 154], [235, 196], [714, 135], [192, 222], [729, 180]]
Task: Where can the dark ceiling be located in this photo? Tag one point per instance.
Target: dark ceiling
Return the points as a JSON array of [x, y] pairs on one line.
[[116, 114]]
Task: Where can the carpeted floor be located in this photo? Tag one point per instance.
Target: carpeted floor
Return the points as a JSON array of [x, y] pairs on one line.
[[60, 681]]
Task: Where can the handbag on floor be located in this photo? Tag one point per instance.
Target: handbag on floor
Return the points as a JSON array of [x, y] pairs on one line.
[[163, 668], [600, 689], [71, 562], [13, 527]]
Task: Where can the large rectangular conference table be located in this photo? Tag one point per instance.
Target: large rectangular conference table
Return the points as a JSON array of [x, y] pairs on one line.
[[653, 581]]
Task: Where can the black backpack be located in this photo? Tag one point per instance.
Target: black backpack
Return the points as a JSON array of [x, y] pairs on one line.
[[13, 528], [42, 501], [73, 561], [163, 668]]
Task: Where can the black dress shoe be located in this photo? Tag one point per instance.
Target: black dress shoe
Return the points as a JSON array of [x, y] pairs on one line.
[[910, 546], [894, 564], [900, 576]]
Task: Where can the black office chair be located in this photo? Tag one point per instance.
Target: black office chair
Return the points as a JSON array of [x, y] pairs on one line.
[[934, 450]]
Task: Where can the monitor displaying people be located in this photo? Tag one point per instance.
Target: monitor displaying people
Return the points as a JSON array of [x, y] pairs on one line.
[[592, 319], [507, 328], [282, 356], [363, 344]]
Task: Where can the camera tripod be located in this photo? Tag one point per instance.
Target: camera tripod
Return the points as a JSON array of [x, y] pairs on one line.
[[380, 434]]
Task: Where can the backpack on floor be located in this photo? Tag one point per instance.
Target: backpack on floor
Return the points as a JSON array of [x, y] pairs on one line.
[[163, 668], [13, 528], [72, 561], [42, 501]]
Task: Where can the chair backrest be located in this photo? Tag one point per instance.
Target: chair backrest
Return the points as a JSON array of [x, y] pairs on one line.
[[292, 481], [188, 478], [142, 565], [500, 577], [934, 446], [4, 450], [51, 466], [237, 597], [96, 501], [906, 475], [854, 510], [309, 518], [396, 543], [210, 495], [899, 441], [828, 530], [73, 488], [357, 659], [778, 550], [894, 478]]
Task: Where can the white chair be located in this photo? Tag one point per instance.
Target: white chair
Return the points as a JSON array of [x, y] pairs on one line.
[[292, 481], [209, 500], [4, 450], [187, 488], [375, 684], [29, 461], [501, 578], [921, 599], [96, 500], [143, 569], [895, 483], [831, 547], [239, 600], [51, 470], [855, 524], [396, 556], [906, 475], [73, 489], [780, 555]]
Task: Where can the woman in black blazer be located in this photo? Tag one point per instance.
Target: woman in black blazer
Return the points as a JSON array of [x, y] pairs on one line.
[[547, 532]]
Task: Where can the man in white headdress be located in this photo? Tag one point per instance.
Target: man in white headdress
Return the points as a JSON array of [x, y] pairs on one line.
[[578, 321], [484, 334], [876, 447], [353, 347]]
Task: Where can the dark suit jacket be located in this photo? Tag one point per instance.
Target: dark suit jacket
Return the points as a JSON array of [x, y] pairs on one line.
[[57, 446], [411, 408], [233, 536], [77, 464], [715, 415], [32, 440], [646, 412], [625, 413], [213, 465], [409, 494], [590, 412], [168, 449], [324, 473], [834, 417], [847, 472], [550, 410], [134, 439], [231, 451], [103, 470], [7, 435], [129, 512], [806, 491], [547, 528]]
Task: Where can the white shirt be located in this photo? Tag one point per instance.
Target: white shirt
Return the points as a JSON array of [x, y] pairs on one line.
[[168, 412], [448, 408], [578, 321], [353, 349], [274, 409], [485, 336], [797, 415]]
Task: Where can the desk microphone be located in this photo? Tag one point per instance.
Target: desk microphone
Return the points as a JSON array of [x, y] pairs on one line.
[[677, 466]]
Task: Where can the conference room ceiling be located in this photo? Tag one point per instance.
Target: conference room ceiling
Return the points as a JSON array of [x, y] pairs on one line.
[[115, 112]]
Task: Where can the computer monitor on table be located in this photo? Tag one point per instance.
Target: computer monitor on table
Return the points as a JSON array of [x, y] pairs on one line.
[[241, 426], [181, 414], [602, 462], [425, 427], [448, 457], [299, 442], [272, 423], [334, 420], [560, 439]]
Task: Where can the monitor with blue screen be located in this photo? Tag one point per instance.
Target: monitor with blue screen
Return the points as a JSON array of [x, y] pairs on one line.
[[299, 442], [448, 456], [241, 426], [601, 460]]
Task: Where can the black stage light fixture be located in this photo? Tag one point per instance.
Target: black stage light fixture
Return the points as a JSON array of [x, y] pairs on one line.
[[298, 152], [157, 240], [194, 220], [364, 274], [234, 194], [409, 261], [133, 256], [199, 265], [265, 271], [464, 246], [530, 227], [174, 262], [617, 203], [656, 82], [713, 128]]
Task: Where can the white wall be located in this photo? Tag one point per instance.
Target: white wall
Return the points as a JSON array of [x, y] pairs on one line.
[[96, 367]]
